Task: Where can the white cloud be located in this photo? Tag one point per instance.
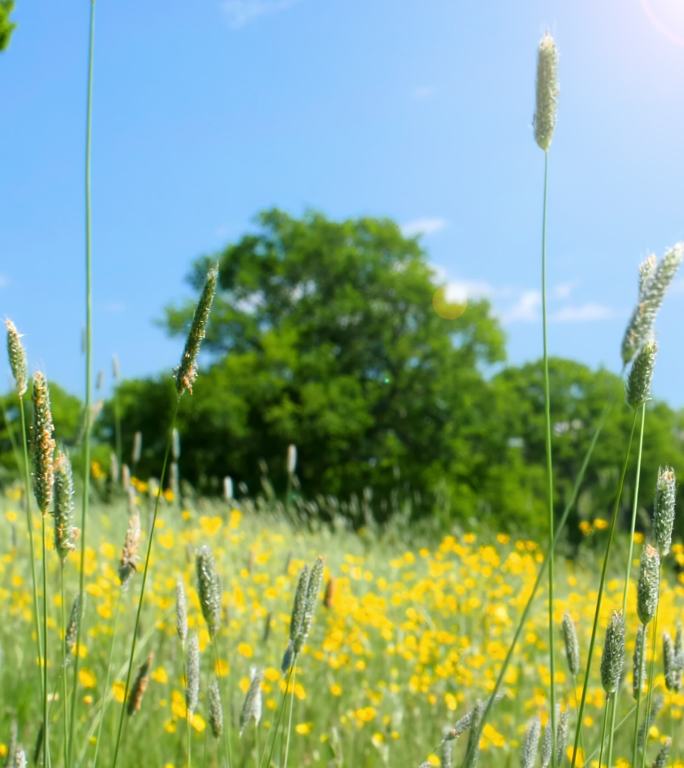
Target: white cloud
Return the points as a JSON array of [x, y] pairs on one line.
[[525, 309], [242, 12], [4, 281], [425, 226], [582, 313]]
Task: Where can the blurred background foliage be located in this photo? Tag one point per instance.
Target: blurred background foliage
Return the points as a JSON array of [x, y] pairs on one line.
[[335, 337]]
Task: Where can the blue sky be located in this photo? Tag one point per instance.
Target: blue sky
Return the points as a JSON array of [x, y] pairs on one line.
[[420, 110]]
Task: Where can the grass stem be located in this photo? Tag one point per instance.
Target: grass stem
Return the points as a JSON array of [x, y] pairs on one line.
[[549, 470], [599, 599]]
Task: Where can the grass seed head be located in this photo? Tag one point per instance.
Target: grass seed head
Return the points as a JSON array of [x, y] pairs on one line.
[[647, 269], [530, 745], [562, 732], [546, 92], [72, 628], [65, 533], [252, 705], [299, 605], [651, 294], [20, 760], [639, 662], [613, 656], [664, 514], [142, 680], [209, 589], [175, 445], [181, 612], [571, 644], [663, 755], [186, 373], [192, 674], [472, 755], [43, 444], [17, 358], [215, 709], [136, 452], [672, 668], [129, 552], [638, 388], [649, 583]]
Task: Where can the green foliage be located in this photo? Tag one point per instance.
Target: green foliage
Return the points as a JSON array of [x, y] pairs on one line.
[[6, 26], [67, 414], [324, 335]]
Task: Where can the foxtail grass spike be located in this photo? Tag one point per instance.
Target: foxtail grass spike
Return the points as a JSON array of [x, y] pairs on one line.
[[192, 675], [186, 373], [562, 734], [65, 533], [663, 755], [638, 389], [175, 445], [313, 589], [129, 553], [209, 589], [142, 679], [530, 745], [136, 452], [446, 753], [17, 358], [72, 628], [639, 662], [473, 748], [640, 326], [649, 582], [291, 459], [571, 644], [215, 709], [43, 444], [20, 760], [613, 656], [672, 668], [664, 514], [181, 612], [546, 92], [646, 271], [252, 705], [299, 605]]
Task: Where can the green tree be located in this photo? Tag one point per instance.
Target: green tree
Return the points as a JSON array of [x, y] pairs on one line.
[[325, 334], [6, 26]]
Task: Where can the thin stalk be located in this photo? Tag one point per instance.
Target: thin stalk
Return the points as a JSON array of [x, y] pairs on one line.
[[549, 469], [29, 525], [64, 668], [226, 714], [651, 677], [590, 757], [46, 737], [574, 690], [599, 599], [279, 717], [635, 736], [150, 539], [117, 430], [103, 706], [107, 697], [289, 720], [540, 575], [628, 569], [88, 368], [603, 730], [188, 732]]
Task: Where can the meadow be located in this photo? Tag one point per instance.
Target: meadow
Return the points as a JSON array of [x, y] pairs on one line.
[[169, 628], [404, 640]]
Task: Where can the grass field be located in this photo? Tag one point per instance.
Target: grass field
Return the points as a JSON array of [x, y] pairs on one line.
[[404, 641]]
